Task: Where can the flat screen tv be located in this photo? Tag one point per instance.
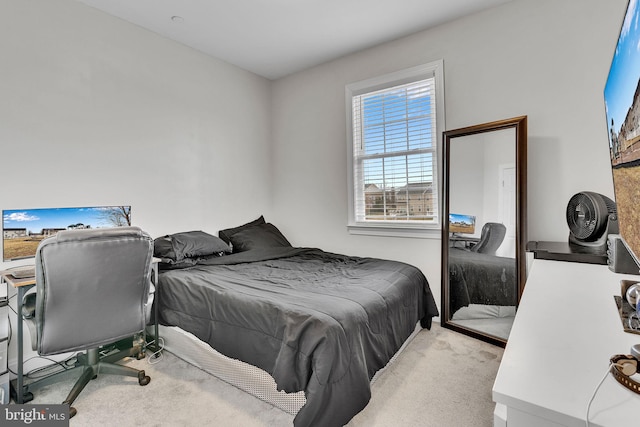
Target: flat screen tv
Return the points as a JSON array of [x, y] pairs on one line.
[[462, 224], [23, 229], [622, 106]]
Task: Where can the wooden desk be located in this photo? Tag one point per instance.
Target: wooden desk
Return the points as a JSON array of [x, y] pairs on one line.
[[566, 329], [22, 285], [467, 242]]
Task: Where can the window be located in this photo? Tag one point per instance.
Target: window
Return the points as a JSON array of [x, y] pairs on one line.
[[395, 122]]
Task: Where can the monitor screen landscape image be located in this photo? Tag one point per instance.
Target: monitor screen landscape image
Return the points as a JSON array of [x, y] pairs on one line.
[[459, 223], [622, 106], [23, 229]]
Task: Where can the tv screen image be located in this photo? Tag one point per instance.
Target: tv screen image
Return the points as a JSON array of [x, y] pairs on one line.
[[622, 106], [462, 224], [23, 229]]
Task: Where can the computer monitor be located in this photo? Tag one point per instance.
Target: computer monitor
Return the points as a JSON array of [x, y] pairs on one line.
[[622, 107], [23, 229], [462, 224]]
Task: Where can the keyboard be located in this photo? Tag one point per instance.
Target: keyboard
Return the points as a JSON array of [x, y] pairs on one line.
[[24, 272]]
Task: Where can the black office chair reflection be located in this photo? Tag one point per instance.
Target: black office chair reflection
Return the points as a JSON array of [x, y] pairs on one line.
[[491, 238], [93, 288]]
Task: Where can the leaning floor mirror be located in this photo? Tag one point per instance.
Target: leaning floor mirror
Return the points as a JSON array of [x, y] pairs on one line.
[[484, 227]]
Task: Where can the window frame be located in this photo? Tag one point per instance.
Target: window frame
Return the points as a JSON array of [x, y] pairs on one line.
[[385, 227]]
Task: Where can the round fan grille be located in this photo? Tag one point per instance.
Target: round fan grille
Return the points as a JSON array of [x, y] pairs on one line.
[[587, 215]]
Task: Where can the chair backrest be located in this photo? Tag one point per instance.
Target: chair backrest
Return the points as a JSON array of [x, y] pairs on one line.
[[92, 287], [491, 238]]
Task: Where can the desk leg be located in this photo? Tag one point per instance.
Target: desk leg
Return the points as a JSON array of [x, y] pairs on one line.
[[21, 396], [20, 379], [156, 338]]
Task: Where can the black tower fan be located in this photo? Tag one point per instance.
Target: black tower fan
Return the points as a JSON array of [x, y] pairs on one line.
[[591, 218]]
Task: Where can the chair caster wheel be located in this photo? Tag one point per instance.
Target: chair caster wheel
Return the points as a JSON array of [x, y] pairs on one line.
[[72, 410], [143, 379]]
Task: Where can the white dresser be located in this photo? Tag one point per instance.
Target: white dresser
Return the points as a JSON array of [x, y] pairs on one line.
[[566, 329]]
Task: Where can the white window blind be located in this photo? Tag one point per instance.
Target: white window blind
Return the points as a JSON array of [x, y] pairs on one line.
[[394, 159]]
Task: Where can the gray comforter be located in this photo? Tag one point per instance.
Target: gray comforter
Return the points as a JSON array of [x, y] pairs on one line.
[[316, 321], [477, 278]]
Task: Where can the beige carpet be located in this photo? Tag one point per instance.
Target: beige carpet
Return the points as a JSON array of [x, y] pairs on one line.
[[441, 379]]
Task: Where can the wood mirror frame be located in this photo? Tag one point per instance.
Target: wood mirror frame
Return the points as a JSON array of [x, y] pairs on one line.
[[517, 125]]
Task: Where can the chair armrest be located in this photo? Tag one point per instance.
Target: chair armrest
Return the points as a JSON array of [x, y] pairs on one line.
[[29, 306]]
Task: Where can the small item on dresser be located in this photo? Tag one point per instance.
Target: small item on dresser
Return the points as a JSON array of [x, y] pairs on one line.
[[619, 259], [628, 307], [591, 217], [632, 293], [624, 366]]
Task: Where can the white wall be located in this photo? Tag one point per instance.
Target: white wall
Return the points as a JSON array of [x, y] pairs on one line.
[[467, 178], [475, 181], [547, 59], [499, 201], [95, 111]]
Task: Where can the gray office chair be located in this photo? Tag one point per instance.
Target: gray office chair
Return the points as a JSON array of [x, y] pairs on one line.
[[491, 238], [93, 288]]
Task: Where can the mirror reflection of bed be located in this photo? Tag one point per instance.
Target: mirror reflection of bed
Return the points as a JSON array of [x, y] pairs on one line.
[[482, 285], [482, 198]]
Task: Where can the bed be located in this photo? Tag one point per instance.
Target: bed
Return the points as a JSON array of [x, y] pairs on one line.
[[477, 278], [317, 322]]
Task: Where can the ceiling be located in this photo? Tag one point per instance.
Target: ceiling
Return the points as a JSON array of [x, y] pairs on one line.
[[274, 38]]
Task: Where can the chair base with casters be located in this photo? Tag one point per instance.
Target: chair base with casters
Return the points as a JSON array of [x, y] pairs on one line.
[[91, 364]]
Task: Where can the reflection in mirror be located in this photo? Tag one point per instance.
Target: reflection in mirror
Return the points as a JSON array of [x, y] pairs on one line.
[[482, 239]]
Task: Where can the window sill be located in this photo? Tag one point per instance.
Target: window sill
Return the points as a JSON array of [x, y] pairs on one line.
[[420, 232]]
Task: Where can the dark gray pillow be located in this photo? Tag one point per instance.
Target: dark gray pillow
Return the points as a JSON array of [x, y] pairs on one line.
[[189, 244], [258, 236], [163, 248], [228, 232]]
